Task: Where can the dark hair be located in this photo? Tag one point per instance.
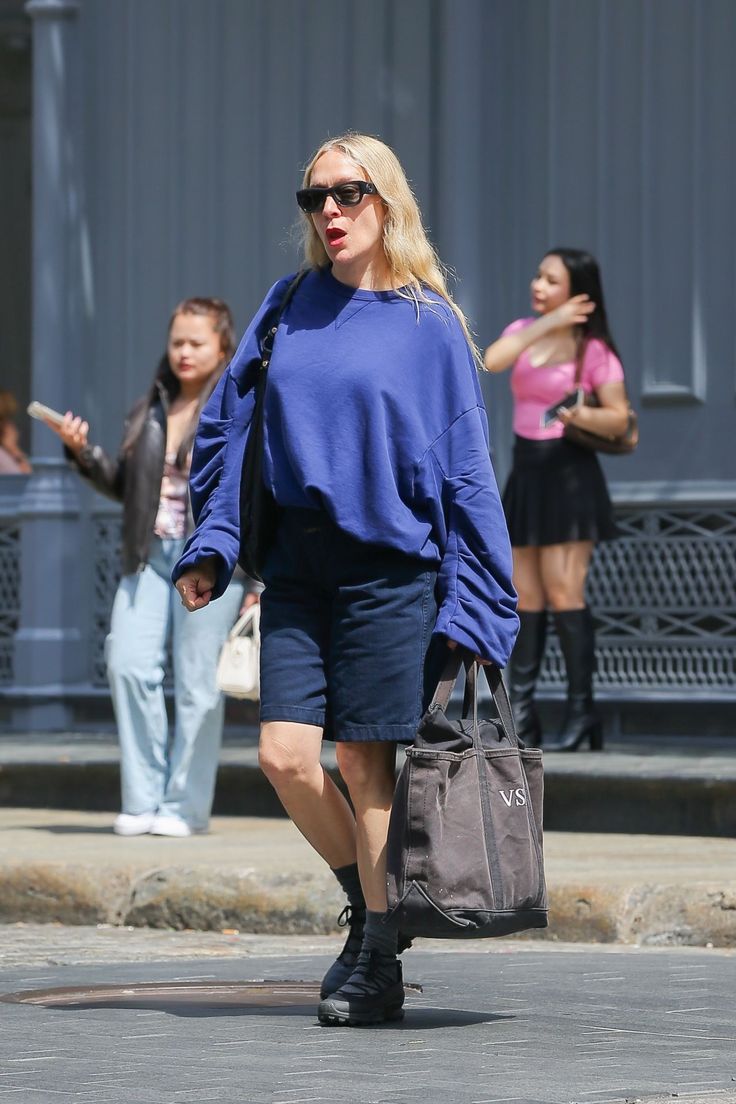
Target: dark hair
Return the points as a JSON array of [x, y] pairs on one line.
[[585, 279], [224, 327], [8, 407]]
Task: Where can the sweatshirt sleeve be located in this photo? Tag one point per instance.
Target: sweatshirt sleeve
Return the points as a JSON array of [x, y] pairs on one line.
[[477, 600], [217, 457]]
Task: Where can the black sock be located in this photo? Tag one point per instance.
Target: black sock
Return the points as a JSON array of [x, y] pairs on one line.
[[379, 936], [349, 879]]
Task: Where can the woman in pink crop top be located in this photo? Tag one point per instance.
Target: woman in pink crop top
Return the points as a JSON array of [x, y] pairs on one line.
[[556, 501]]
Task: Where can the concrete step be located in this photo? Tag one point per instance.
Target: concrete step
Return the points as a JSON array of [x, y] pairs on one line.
[[671, 787], [259, 875]]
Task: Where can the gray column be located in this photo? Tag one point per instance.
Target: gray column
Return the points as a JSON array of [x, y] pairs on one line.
[[49, 657]]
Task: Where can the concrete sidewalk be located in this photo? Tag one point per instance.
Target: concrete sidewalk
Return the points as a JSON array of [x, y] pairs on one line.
[[259, 875]]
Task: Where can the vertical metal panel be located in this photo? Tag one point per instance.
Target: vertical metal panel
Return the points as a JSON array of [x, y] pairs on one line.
[[619, 239], [331, 50], [408, 89], [460, 158], [107, 333], [715, 291], [575, 117], [237, 221], [673, 367], [368, 90], [194, 146], [282, 150]]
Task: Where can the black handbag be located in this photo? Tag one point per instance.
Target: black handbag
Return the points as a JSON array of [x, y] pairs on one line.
[[464, 854], [614, 445], [259, 511]]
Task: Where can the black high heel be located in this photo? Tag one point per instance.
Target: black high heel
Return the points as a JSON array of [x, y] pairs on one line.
[[581, 723]]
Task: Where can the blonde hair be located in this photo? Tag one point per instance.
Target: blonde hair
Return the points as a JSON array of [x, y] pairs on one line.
[[412, 260]]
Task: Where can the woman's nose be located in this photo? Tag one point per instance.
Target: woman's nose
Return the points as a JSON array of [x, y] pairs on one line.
[[331, 208]]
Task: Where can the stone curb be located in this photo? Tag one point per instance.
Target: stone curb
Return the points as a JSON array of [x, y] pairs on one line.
[[220, 898]]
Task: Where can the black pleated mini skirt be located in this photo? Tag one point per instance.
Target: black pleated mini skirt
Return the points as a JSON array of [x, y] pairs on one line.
[[556, 492]]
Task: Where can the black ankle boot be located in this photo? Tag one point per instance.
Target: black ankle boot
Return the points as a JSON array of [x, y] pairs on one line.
[[372, 994], [526, 659], [577, 641], [352, 917]]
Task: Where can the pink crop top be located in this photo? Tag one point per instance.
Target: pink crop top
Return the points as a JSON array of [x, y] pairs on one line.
[[535, 389]]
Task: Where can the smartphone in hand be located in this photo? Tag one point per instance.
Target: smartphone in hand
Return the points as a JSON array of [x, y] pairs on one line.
[[44, 413], [570, 402]]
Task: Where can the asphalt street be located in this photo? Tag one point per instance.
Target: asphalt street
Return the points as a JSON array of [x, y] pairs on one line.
[[169, 1017]]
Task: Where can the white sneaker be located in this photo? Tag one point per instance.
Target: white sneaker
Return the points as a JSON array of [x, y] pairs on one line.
[[164, 825], [133, 824]]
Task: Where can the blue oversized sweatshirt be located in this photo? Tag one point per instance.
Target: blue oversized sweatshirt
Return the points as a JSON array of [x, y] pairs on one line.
[[373, 413]]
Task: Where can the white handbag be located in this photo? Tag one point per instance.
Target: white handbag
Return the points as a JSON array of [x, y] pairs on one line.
[[238, 671]]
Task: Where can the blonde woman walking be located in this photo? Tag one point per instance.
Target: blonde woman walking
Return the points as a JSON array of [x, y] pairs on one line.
[[391, 544]]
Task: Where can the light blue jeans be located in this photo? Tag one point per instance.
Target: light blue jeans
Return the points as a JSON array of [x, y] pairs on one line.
[[175, 777]]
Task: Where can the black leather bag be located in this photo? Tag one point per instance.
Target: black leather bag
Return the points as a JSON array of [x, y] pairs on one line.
[[465, 857], [614, 445], [259, 511]]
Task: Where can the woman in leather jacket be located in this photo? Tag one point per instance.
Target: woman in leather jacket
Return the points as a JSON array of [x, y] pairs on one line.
[[167, 785]]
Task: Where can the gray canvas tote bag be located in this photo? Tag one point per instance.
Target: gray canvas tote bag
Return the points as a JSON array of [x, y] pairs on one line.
[[465, 854]]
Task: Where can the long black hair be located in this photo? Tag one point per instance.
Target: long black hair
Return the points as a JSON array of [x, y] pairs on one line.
[[222, 323], [585, 279]]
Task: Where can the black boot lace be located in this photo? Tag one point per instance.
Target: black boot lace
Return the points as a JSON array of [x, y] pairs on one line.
[[352, 917]]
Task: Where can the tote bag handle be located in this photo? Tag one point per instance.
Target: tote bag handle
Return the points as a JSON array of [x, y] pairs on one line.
[[496, 685]]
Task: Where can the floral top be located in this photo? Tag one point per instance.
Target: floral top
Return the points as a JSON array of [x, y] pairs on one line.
[[173, 508]]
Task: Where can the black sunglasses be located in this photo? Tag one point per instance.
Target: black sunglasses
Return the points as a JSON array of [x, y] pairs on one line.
[[349, 194]]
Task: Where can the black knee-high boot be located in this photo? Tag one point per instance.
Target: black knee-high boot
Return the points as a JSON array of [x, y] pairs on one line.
[[577, 640], [526, 659]]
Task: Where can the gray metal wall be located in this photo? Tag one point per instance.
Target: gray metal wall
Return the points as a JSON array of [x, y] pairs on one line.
[[168, 141], [598, 123]]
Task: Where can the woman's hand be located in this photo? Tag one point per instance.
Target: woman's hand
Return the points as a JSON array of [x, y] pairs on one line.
[[574, 312], [610, 418], [452, 645], [252, 598], [505, 351], [73, 432], [195, 586]]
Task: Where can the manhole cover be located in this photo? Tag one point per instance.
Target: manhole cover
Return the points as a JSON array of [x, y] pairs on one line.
[[260, 994]]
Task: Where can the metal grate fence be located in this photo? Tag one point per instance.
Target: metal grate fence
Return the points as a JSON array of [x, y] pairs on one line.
[[9, 595], [664, 598]]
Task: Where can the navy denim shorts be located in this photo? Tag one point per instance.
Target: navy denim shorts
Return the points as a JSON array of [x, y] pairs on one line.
[[346, 633]]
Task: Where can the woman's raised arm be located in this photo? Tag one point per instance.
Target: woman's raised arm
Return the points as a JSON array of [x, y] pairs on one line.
[[504, 352]]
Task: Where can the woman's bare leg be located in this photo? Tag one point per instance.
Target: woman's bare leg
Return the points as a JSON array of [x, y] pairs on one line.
[[369, 773], [528, 579], [564, 569], [289, 755]]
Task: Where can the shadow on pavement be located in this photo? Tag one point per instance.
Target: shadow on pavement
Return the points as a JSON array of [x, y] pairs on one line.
[[208, 999]]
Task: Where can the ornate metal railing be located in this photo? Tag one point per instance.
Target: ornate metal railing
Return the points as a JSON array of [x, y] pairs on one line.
[[106, 543], [9, 594], [11, 490], [664, 598]]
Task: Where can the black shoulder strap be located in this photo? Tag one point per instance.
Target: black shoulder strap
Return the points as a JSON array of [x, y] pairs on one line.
[[273, 324]]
